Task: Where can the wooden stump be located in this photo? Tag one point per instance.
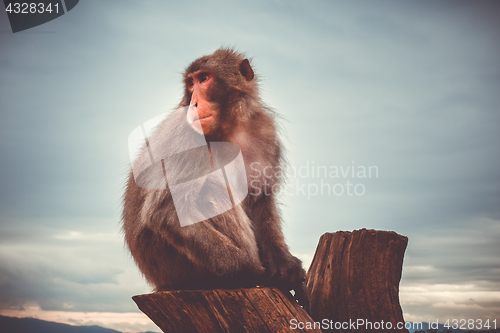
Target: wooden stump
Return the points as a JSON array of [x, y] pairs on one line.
[[355, 276], [223, 310]]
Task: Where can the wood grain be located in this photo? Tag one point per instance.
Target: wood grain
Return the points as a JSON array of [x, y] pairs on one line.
[[355, 275], [223, 310]]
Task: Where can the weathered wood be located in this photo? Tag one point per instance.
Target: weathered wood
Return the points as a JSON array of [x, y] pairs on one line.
[[355, 275], [223, 310]]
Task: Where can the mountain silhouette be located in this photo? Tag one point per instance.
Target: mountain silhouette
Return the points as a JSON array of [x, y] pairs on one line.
[[32, 325]]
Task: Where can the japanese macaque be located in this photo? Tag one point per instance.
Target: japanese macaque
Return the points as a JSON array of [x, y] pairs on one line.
[[241, 247]]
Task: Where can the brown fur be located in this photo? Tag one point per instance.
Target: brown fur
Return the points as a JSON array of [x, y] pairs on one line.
[[241, 247]]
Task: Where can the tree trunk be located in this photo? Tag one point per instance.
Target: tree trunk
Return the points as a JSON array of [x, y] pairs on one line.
[[355, 276], [224, 310]]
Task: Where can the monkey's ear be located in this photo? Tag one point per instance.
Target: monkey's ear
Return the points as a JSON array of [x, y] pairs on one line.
[[246, 70]]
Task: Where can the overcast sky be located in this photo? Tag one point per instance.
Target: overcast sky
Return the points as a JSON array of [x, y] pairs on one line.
[[412, 88]]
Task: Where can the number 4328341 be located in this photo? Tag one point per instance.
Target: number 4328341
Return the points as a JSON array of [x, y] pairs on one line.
[[31, 8], [470, 324]]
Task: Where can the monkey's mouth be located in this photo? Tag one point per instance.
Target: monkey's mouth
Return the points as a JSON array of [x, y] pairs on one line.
[[197, 121], [204, 117]]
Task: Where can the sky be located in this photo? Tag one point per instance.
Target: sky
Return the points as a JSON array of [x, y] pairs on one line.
[[410, 89]]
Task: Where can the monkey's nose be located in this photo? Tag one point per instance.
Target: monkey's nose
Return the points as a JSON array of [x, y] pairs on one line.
[[195, 105]]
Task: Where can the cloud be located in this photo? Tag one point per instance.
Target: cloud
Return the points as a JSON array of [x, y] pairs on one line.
[[73, 270], [448, 301]]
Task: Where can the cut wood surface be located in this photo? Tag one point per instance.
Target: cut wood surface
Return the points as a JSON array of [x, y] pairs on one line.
[[223, 310], [355, 275]]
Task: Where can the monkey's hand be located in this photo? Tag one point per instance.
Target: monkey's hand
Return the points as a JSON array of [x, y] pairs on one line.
[[284, 271], [287, 274]]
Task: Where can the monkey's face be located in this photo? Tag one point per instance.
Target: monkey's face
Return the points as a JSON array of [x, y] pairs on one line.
[[216, 86], [203, 112]]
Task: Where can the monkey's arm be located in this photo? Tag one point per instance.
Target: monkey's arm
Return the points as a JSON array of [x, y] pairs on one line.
[[281, 266]]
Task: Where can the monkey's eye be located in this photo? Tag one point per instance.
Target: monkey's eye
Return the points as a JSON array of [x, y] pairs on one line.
[[203, 77], [190, 82]]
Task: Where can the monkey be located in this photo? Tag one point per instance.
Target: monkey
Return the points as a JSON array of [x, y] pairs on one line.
[[243, 246]]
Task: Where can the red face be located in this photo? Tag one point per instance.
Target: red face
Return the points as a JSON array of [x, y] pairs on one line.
[[202, 113]]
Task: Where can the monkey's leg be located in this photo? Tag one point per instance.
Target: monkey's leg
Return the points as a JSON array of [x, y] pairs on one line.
[[223, 247]]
